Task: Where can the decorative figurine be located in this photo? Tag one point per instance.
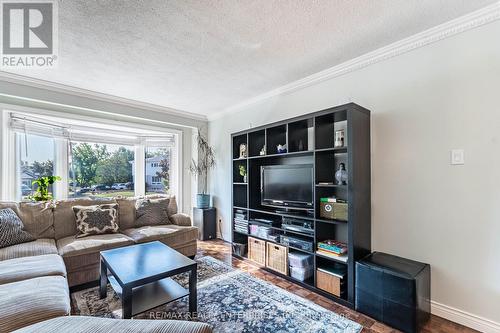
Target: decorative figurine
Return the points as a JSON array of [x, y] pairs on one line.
[[301, 145], [339, 138], [341, 175], [281, 149], [263, 151], [243, 150]]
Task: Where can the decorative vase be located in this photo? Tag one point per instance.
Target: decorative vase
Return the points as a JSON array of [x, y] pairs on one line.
[[243, 150], [245, 178], [339, 138], [341, 175], [202, 200]]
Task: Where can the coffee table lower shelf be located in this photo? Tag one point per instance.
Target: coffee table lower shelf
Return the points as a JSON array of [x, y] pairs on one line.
[[151, 295]]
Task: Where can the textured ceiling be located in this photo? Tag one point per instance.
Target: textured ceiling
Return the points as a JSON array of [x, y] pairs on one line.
[[205, 56]]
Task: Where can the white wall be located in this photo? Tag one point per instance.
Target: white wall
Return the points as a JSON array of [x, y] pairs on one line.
[[25, 95], [424, 103]]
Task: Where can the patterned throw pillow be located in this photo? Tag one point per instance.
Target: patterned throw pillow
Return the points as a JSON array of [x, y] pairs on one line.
[[151, 212], [11, 229], [96, 220]]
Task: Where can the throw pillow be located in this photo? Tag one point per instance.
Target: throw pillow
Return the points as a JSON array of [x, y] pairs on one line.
[[11, 229], [172, 206], [96, 220], [151, 212]]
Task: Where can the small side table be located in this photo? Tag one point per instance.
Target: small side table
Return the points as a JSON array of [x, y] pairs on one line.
[[204, 219]]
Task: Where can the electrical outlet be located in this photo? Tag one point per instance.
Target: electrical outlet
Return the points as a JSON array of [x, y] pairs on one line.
[[457, 157]]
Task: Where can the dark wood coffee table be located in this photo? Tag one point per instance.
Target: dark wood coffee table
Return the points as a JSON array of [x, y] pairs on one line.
[[140, 275]]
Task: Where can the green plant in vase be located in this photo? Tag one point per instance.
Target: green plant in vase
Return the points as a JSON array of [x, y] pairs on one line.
[[243, 173], [42, 192]]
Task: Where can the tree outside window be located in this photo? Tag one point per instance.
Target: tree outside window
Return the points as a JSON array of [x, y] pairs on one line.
[[101, 170]]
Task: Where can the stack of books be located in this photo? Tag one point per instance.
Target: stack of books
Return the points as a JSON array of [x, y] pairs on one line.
[[334, 249], [240, 221]]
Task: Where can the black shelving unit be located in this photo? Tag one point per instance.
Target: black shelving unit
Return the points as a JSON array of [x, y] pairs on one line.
[[310, 140]]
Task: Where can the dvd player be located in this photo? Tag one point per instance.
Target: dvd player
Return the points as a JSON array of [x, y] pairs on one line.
[[297, 243], [297, 225]]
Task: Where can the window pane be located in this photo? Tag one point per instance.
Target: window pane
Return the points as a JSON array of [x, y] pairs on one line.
[[36, 159], [101, 170], [158, 172]]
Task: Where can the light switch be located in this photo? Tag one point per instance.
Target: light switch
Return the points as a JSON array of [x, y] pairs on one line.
[[457, 157]]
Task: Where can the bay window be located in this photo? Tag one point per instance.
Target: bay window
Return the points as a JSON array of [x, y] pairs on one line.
[[93, 159]]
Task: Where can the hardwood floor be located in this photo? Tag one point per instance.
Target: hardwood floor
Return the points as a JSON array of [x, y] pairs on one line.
[[222, 251]]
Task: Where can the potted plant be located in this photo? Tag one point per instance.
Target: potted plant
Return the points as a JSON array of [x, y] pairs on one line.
[[42, 192], [200, 168], [243, 173]]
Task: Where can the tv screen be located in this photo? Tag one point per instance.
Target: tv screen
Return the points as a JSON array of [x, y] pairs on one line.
[[287, 185]]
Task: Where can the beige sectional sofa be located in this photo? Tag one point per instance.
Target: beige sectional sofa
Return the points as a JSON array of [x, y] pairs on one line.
[[35, 277]]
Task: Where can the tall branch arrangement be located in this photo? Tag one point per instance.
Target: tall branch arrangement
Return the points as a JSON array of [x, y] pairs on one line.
[[206, 161]]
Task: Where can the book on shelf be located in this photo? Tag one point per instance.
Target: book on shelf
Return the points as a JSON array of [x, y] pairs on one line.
[[342, 257], [336, 253], [333, 246]]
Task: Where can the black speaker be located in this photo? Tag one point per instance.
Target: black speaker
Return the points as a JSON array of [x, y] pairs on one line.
[[394, 290], [205, 220]]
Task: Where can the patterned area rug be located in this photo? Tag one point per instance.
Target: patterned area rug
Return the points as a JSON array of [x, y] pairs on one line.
[[229, 300]]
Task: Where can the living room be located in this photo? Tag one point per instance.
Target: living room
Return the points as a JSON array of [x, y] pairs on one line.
[[260, 166]]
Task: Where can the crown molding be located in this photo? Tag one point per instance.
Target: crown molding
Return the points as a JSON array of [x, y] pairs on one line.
[[464, 318], [464, 23], [66, 89]]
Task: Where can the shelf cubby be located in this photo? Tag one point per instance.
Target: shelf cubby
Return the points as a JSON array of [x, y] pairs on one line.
[[237, 178], [275, 136], [325, 127], [240, 198], [300, 136], [327, 164], [310, 139], [237, 142], [256, 141]]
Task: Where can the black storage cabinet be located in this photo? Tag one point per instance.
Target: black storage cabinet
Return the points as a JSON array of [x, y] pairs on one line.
[[394, 290], [205, 220]]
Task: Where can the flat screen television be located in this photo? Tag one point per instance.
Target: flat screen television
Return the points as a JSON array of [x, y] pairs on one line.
[[287, 186]]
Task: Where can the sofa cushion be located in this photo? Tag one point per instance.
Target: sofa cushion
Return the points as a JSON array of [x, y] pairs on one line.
[[12, 229], [71, 246], [81, 324], [25, 268], [181, 219], [37, 217], [24, 303], [151, 212], [126, 212], [96, 220], [171, 205], [64, 217], [171, 235], [38, 247]]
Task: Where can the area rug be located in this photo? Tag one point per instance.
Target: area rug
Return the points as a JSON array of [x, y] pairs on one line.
[[229, 300]]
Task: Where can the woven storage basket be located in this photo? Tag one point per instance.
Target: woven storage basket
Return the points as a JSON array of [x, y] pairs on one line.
[[276, 258], [257, 250]]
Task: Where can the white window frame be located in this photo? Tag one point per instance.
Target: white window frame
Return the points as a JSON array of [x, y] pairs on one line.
[[9, 178]]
